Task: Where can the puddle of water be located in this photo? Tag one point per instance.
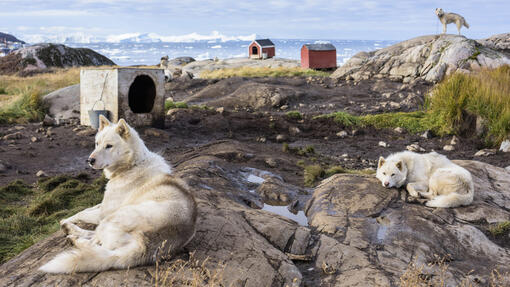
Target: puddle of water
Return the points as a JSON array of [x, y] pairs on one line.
[[300, 217], [381, 232], [254, 179]]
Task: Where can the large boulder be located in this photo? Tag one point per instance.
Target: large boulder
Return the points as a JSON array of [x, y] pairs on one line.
[[499, 42], [44, 56], [428, 57], [358, 212], [64, 103]]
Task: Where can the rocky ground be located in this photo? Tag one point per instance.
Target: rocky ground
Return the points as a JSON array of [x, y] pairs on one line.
[[348, 231]]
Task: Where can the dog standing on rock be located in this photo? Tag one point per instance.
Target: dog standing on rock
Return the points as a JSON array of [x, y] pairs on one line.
[[431, 175], [447, 18], [145, 213]]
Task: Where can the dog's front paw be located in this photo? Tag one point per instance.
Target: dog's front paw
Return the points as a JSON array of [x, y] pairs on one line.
[[65, 227]]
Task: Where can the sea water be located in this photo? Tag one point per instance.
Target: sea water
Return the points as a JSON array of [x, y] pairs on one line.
[[135, 53]]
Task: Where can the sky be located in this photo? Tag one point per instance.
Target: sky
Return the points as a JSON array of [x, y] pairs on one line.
[[283, 19]]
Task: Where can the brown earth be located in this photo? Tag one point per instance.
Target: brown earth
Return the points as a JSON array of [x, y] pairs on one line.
[[348, 241]]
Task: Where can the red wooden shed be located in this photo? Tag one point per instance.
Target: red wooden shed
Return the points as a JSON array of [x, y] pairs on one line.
[[318, 56], [261, 49]]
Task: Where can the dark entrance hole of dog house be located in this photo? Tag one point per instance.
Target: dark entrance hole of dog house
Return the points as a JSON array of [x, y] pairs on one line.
[[254, 50], [142, 93]]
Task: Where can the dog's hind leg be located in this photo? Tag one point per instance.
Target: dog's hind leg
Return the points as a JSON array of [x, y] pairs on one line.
[[444, 28], [459, 25]]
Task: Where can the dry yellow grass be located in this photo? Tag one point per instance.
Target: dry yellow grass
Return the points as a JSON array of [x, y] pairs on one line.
[[252, 72], [415, 276], [191, 272], [20, 97]]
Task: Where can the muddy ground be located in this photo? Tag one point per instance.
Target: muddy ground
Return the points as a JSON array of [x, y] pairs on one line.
[[64, 149]]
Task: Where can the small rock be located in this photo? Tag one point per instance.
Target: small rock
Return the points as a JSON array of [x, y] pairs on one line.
[[505, 146], [507, 168], [345, 155], [341, 134], [49, 132], [152, 132], [34, 139], [261, 139], [48, 121], [454, 141], [383, 144], [13, 136], [486, 152], [326, 138], [294, 130], [41, 174], [301, 105], [415, 147], [271, 162], [448, 147], [3, 167], [220, 110], [426, 135], [284, 107], [399, 130], [281, 138], [19, 128], [356, 132], [395, 105], [86, 132]]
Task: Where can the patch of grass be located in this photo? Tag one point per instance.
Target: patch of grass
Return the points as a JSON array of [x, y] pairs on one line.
[[343, 118], [500, 229], [24, 102], [285, 147], [316, 172], [437, 275], [484, 94], [296, 115], [175, 105], [475, 55], [309, 149], [30, 213], [252, 72], [312, 174]]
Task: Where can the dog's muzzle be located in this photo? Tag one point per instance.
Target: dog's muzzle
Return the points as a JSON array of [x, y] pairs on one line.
[[91, 161]]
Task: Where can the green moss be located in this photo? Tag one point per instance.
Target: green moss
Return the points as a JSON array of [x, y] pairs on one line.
[[285, 147], [475, 55], [30, 213], [175, 105], [500, 229], [342, 118], [295, 115]]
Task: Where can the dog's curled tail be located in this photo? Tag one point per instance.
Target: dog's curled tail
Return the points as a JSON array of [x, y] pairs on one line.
[[92, 259], [461, 192], [465, 23]]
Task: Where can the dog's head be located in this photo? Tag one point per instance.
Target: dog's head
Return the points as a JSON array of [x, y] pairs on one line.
[[391, 173], [113, 144], [439, 11]]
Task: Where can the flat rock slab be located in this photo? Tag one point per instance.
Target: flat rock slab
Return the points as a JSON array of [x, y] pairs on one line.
[[358, 212]]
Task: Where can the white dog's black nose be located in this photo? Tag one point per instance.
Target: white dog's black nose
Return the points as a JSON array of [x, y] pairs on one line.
[[91, 160]]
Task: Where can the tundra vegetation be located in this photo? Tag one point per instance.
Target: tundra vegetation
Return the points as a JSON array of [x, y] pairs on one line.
[[261, 72], [454, 101], [21, 97], [32, 212]]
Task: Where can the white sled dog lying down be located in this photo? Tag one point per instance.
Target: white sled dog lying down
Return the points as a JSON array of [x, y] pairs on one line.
[[431, 175], [145, 212]]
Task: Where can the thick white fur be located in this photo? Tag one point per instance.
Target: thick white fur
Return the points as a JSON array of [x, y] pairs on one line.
[[145, 212], [432, 176]]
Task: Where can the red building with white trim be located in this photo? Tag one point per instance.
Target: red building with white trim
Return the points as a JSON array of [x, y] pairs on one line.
[[318, 56], [261, 49]]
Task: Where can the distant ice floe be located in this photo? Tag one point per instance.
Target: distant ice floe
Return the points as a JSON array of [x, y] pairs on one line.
[[81, 37], [322, 42], [216, 47]]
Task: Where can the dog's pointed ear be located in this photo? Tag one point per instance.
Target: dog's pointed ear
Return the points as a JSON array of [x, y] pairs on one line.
[[400, 165], [103, 122], [381, 161], [123, 129]]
